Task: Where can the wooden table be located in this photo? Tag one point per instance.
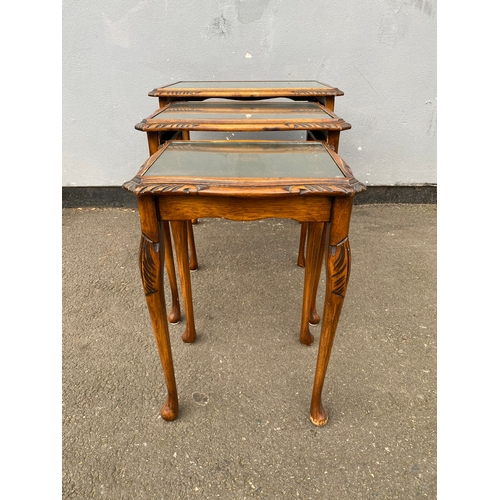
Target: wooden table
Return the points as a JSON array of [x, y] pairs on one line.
[[247, 180], [242, 117], [297, 90]]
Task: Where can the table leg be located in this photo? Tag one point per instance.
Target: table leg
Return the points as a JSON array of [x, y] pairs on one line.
[[193, 259], [314, 318], [333, 138], [180, 234], [175, 312], [301, 259], [313, 260], [330, 102], [153, 142], [338, 264], [151, 261]]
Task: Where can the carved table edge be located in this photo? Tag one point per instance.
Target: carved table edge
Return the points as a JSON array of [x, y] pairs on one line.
[[348, 187], [166, 92], [227, 125]]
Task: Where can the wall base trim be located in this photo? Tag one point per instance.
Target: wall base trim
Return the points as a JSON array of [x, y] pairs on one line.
[[79, 197]]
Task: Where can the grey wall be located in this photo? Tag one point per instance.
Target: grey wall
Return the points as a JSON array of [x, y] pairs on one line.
[[381, 53]]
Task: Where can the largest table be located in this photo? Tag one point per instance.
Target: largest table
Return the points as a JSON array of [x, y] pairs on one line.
[[244, 181]]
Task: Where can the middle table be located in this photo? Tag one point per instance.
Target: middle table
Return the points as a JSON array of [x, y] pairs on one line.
[[210, 116]]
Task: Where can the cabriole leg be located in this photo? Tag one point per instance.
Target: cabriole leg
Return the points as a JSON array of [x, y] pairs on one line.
[[338, 264], [151, 262], [193, 259], [313, 251], [301, 258], [314, 318], [175, 312], [180, 234]]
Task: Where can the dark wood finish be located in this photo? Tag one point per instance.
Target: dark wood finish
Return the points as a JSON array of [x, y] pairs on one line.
[[179, 200]]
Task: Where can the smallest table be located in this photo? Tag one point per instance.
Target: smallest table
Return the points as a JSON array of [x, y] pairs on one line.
[[297, 90], [246, 180]]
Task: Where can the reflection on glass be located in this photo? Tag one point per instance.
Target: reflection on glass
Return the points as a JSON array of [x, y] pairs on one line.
[[245, 111], [277, 160]]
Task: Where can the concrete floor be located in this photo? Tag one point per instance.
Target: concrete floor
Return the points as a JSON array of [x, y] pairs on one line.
[[245, 385]]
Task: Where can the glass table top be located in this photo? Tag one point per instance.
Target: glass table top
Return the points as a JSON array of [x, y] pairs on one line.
[[241, 111], [238, 160]]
